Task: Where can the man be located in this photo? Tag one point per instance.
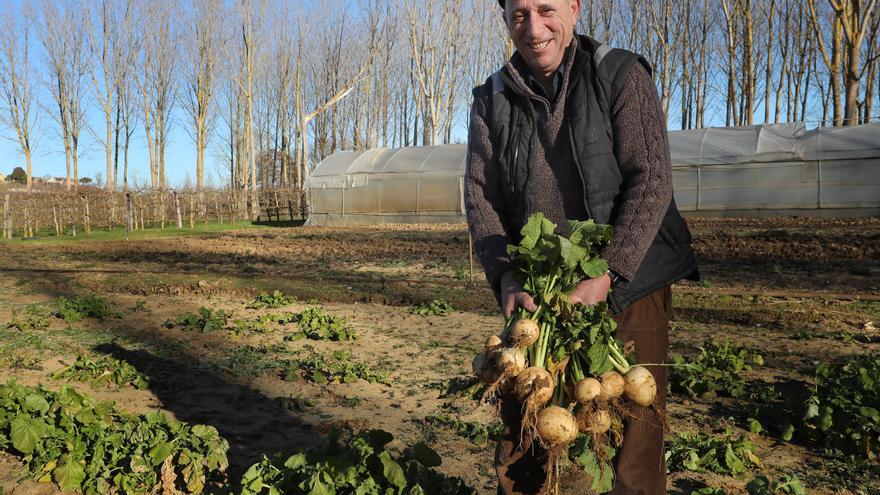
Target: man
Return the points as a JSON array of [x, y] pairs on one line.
[[574, 129]]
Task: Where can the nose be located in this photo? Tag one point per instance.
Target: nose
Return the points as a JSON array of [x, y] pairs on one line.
[[532, 26]]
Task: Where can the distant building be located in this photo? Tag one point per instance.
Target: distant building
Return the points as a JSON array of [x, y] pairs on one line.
[[2, 177]]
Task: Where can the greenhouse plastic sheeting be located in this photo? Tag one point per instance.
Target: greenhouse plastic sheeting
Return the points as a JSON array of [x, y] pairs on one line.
[[750, 170]]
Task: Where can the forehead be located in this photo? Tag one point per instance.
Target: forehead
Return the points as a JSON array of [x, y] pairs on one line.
[[529, 4]]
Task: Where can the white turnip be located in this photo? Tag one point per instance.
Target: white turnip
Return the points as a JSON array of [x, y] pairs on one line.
[[534, 385], [597, 422], [484, 369], [586, 390], [613, 385], [556, 426], [640, 386], [510, 361], [492, 342], [524, 333]]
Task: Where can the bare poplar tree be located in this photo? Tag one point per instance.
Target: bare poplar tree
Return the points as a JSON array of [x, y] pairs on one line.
[[17, 79], [62, 35], [199, 67]]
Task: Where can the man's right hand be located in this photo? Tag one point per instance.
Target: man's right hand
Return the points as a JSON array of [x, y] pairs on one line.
[[513, 296]]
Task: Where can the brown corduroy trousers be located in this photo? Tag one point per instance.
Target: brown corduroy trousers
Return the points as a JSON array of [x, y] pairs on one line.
[[640, 467]]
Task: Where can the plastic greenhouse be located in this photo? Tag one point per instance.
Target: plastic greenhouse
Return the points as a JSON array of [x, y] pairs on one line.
[[753, 170]]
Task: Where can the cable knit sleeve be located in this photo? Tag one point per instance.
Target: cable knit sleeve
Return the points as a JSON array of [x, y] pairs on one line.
[[642, 149], [484, 200]]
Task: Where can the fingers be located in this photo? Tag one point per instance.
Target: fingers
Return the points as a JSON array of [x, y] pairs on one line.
[[527, 302]]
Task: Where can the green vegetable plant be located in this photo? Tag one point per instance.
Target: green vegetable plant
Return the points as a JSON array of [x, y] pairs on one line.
[[205, 321], [358, 465], [435, 307], [721, 454], [478, 433], [33, 319], [275, 300], [717, 370], [73, 310], [843, 410], [318, 325], [104, 371], [600, 470], [788, 485], [83, 444], [336, 366]]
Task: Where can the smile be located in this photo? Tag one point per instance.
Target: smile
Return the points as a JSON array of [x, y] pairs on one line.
[[538, 46]]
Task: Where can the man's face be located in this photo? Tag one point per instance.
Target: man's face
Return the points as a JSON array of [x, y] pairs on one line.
[[541, 30]]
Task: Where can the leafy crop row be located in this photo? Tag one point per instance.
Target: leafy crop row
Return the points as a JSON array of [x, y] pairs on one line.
[[358, 465], [717, 370], [721, 454], [336, 366], [104, 371], [73, 310], [83, 444], [275, 300]]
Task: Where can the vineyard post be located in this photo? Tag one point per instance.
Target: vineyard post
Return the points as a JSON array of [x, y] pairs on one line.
[[290, 208], [128, 214], [7, 224], [219, 211], [87, 217], [192, 205], [27, 223], [177, 209], [55, 217]]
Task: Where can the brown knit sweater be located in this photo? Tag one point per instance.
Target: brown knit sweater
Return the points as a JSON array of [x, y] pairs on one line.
[[642, 149]]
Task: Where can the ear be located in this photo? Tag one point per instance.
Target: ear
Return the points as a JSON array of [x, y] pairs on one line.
[[575, 9]]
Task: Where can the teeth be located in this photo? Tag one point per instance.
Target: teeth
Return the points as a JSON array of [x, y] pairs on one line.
[[543, 44]]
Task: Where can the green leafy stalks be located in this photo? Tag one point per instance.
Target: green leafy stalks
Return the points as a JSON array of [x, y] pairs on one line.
[[275, 300], [358, 465], [205, 321], [83, 444], [549, 267]]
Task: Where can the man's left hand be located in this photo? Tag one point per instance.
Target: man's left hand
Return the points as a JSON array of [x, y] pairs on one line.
[[591, 290]]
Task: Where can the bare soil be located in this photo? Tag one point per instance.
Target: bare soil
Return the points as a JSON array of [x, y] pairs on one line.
[[821, 277]]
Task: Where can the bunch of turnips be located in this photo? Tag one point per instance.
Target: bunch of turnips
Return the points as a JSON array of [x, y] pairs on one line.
[[562, 362]]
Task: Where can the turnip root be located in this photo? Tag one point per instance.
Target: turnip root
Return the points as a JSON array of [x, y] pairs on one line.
[[612, 384], [586, 390], [484, 369], [534, 384], [556, 426], [640, 386], [493, 342], [510, 361], [597, 422], [524, 333]]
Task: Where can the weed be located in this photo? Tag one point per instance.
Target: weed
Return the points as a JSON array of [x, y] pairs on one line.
[[140, 306], [478, 433], [788, 485]]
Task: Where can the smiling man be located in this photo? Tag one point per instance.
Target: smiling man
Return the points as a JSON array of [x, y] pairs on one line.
[[574, 129]]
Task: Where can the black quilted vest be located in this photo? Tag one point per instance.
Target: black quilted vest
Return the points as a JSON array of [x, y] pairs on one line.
[[596, 74]]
